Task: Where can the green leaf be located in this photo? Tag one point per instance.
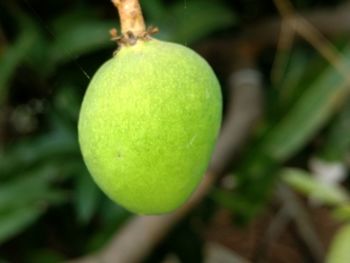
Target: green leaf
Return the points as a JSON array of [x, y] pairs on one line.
[[255, 179], [340, 247], [304, 182], [15, 54], [112, 217], [233, 202], [291, 85], [25, 154], [342, 213], [25, 198], [309, 114], [337, 141], [190, 21], [154, 10], [112, 213], [81, 38], [31, 188], [87, 197], [47, 255], [67, 101], [12, 58], [14, 221], [78, 14]]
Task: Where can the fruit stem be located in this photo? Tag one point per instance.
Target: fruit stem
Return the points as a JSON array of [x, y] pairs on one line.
[[131, 21]]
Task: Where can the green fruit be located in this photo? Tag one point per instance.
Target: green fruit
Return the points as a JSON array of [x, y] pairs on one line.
[[339, 251], [148, 125]]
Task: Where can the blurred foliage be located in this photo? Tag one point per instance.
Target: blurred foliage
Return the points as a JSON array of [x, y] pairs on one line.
[[304, 182], [308, 111], [47, 55], [50, 209]]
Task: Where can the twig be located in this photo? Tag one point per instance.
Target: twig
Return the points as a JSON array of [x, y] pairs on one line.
[[331, 22], [131, 18], [284, 45], [304, 227], [291, 211], [313, 36], [225, 53], [246, 90], [274, 230], [132, 23]]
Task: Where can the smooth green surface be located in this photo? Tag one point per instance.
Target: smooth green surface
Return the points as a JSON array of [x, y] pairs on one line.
[[339, 251], [148, 125]]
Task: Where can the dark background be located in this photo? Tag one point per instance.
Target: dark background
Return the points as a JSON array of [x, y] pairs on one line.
[[51, 211]]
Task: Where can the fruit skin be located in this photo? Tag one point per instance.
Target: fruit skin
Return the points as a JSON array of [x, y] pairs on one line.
[[339, 249], [148, 124]]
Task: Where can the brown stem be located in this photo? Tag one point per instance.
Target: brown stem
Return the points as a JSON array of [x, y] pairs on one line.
[[131, 20]]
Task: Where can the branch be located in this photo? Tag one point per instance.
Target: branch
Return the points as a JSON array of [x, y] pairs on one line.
[[132, 24], [330, 22], [245, 107], [302, 220], [312, 35], [131, 18]]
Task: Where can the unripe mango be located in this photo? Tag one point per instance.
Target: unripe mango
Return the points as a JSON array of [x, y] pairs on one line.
[[148, 124], [339, 249]]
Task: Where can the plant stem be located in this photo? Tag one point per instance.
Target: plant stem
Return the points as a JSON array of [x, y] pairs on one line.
[[131, 18]]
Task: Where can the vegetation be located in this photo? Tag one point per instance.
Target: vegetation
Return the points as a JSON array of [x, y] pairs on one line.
[[292, 169]]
